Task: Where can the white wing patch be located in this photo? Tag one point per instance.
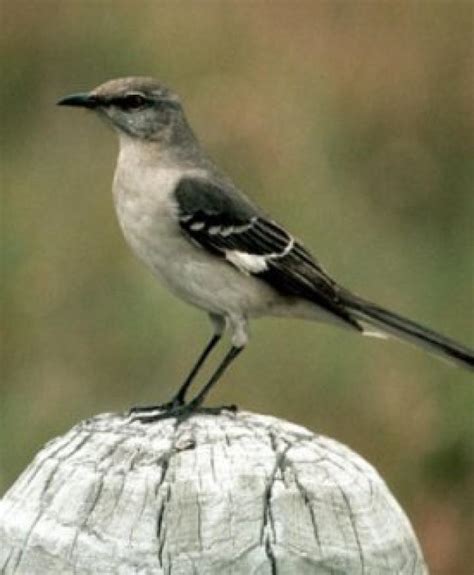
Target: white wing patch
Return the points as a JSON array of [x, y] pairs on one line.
[[252, 263], [246, 263], [266, 235]]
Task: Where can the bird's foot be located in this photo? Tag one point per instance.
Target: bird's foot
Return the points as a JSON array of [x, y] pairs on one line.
[[179, 411], [144, 409]]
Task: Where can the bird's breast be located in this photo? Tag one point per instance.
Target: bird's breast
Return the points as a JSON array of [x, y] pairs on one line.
[[148, 216], [147, 213]]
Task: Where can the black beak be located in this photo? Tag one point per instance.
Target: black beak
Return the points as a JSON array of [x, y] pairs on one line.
[[83, 100]]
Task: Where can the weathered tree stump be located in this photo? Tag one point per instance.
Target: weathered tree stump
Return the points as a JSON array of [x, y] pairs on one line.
[[227, 494]]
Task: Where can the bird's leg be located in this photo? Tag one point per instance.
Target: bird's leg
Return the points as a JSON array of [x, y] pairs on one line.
[[178, 399], [181, 411], [201, 396]]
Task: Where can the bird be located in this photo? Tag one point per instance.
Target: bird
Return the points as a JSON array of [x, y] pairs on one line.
[[214, 247]]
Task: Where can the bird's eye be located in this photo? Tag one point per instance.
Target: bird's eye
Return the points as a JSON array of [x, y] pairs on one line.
[[132, 102]]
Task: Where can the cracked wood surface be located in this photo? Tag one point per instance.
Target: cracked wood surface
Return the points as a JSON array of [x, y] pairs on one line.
[[229, 494]]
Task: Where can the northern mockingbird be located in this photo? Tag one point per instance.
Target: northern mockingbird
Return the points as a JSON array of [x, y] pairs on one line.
[[211, 245]]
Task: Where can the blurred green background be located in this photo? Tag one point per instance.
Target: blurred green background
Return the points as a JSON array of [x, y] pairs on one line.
[[352, 123]]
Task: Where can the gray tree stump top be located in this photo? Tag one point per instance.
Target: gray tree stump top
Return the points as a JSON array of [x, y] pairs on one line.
[[228, 494]]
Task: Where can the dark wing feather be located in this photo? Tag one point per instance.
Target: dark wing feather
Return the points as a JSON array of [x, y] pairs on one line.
[[223, 222]]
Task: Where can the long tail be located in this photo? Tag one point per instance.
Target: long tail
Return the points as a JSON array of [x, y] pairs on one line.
[[393, 324]]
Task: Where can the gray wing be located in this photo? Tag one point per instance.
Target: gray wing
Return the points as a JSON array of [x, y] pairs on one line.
[[226, 224]]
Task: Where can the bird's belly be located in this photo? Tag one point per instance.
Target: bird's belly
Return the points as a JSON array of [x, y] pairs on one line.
[[216, 286], [188, 270], [203, 280]]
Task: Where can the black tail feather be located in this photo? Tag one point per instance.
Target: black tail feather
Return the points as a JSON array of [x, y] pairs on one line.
[[394, 324]]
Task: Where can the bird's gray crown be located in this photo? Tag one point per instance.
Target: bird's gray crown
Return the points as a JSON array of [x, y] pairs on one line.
[[143, 85], [139, 107]]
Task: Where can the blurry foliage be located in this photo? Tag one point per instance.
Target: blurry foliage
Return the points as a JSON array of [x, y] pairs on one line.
[[352, 123]]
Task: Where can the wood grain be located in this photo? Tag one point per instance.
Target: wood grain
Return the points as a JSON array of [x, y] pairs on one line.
[[233, 493]]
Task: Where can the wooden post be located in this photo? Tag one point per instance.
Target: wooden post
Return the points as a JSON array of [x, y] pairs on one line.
[[217, 494]]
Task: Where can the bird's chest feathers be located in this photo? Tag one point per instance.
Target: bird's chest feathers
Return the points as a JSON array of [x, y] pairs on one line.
[[147, 212]]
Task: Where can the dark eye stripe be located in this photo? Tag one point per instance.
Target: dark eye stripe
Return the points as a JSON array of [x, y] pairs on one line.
[[134, 101], [128, 102]]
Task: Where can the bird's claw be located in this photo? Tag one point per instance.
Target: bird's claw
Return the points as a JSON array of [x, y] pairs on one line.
[[169, 405], [179, 411]]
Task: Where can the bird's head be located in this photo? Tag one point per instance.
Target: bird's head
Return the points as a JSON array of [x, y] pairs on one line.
[[139, 107]]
